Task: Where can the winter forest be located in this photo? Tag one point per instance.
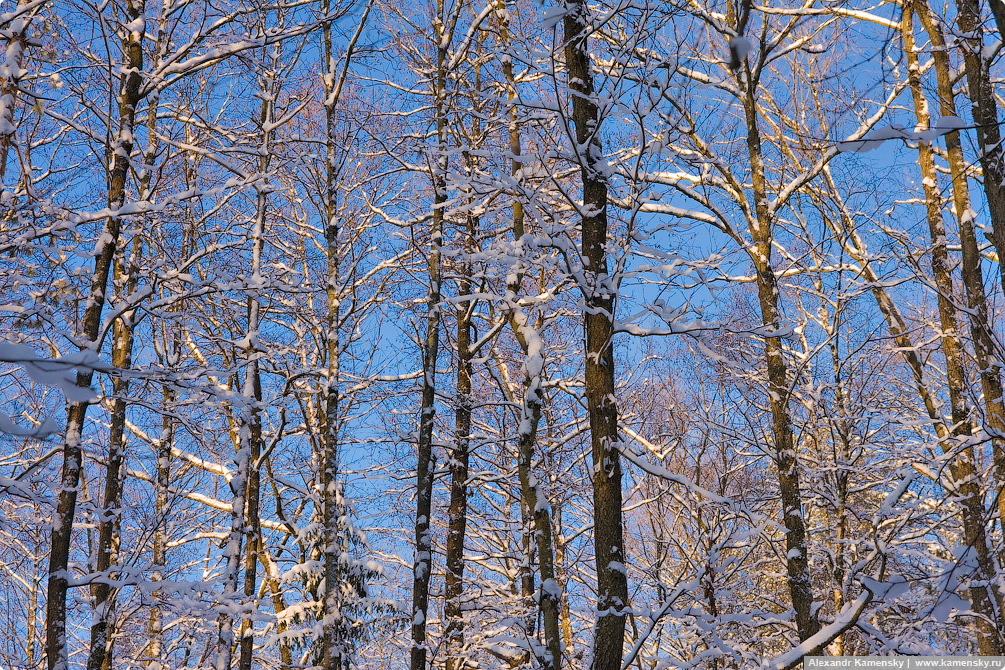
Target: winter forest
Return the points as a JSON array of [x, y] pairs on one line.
[[500, 334]]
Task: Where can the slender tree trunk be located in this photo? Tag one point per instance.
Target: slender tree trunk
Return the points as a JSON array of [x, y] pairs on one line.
[[334, 642], [108, 526], [458, 511], [841, 471], [534, 500], [155, 628], [598, 321], [426, 459], [172, 353], [534, 503], [561, 576], [273, 577], [963, 470], [253, 393], [254, 525], [334, 628], [786, 461], [32, 613], [105, 248], [232, 550], [245, 484]]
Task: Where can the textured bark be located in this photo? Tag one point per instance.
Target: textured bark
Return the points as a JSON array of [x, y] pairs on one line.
[[598, 317], [550, 596], [62, 525], [100, 655], [534, 504], [963, 469], [254, 525], [273, 577], [232, 551], [786, 461], [426, 459], [973, 277], [985, 115], [334, 644], [458, 510], [155, 629]]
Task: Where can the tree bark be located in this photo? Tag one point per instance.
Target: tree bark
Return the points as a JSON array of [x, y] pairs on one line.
[[985, 115], [598, 321], [458, 510], [973, 277], [99, 657], [550, 595], [273, 577], [786, 460], [155, 629], [253, 545], [426, 459], [105, 248], [963, 470]]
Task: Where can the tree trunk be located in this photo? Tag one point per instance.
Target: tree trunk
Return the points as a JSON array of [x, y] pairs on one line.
[[985, 115], [458, 510], [786, 461], [334, 630], [963, 470], [156, 626], [550, 596], [62, 525], [973, 278], [598, 321], [254, 525], [426, 459], [108, 526], [273, 577], [245, 484]]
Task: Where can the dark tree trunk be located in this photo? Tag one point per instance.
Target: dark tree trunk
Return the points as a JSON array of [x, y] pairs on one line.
[[426, 459], [598, 322], [62, 525], [458, 511]]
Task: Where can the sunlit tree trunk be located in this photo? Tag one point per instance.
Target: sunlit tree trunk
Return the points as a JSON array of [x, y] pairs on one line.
[[963, 470], [769, 298], [251, 413], [985, 115]]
